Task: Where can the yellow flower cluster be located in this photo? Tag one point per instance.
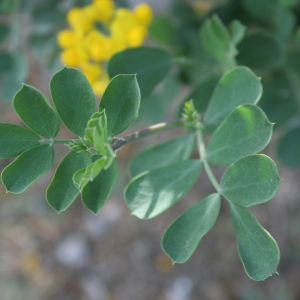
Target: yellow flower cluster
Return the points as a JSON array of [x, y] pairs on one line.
[[97, 32]]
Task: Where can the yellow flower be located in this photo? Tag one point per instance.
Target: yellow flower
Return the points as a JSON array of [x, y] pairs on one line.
[[66, 38], [73, 57], [104, 9], [143, 14], [136, 36], [98, 31], [91, 71], [80, 19], [100, 85]]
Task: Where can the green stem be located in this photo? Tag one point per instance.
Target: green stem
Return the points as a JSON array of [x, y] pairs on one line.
[[202, 151], [132, 137], [146, 132]]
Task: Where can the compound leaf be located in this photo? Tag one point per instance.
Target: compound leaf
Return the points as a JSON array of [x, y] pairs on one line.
[[62, 192], [251, 180], [15, 140], [27, 168], [151, 193], [245, 131], [183, 236], [164, 154], [121, 101], [34, 110], [73, 97], [257, 249]]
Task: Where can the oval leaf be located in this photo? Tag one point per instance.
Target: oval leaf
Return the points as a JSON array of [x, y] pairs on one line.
[[245, 131], [280, 99], [237, 87], [73, 97], [15, 140], [251, 180], [121, 101], [62, 192], [95, 193], [27, 168], [257, 249], [151, 65], [261, 51], [183, 236], [35, 111], [151, 193], [164, 154], [289, 148]]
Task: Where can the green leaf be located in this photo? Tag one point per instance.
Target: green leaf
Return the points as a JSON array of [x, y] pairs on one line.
[[78, 179], [288, 148], [151, 65], [35, 111], [62, 192], [261, 50], [15, 140], [217, 42], [162, 155], [183, 236], [237, 30], [280, 99], [251, 180], [261, 10], [257, 249], [121, 101], [95, 193], [163, 30], [156, 107], [93, 170], [27, 168], [215, 37], [245, 131], [151, 193], [238, 86], [73, 97]]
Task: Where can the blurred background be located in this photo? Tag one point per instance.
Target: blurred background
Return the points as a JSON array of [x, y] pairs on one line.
[[115, 256]]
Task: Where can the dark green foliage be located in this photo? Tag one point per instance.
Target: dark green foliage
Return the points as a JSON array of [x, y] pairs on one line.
[[150, 64], [151, 193], [238, 86], [96, 192], [43, 119], [225, 93], [62, 192], [15, 140], [27, 168], [251, 180], [289, 148], [258, 251], [164, 154], [183, 236], [73, 98], [121, 102], [261, 51]]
